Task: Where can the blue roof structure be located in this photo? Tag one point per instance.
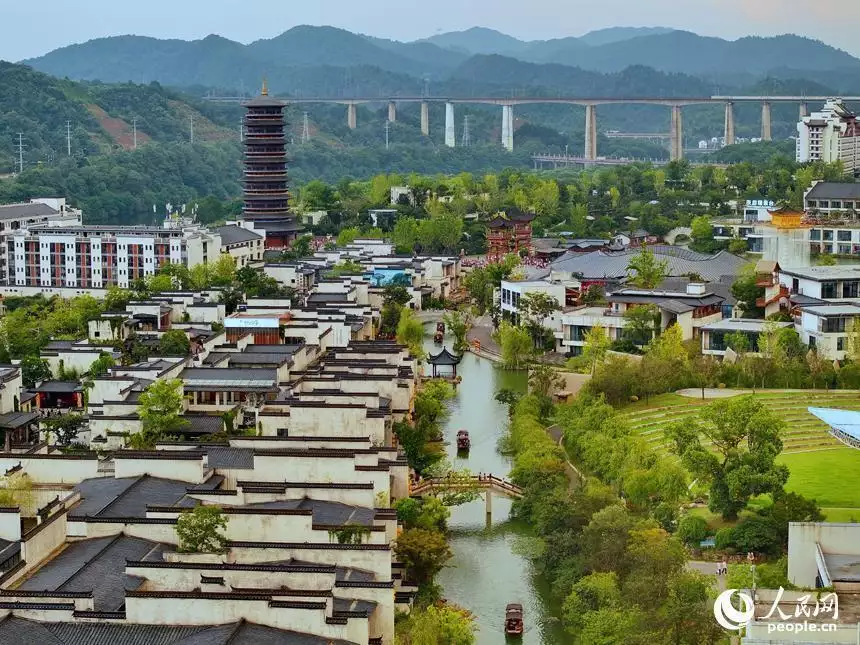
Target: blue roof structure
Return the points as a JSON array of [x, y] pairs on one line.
[[844, 424]]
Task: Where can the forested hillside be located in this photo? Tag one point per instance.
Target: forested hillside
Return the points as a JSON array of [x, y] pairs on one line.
[[217, 62]]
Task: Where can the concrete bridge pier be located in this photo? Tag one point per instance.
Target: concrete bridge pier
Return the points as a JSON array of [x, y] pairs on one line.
[[804, 110], [676, 134], [425, 118], [591, 131], [351, 119], [730, 123], [392, 111], [765, 121], [489, 509], [508, 127], [450, 132]]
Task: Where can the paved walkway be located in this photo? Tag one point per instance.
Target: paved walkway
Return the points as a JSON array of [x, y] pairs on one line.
[[722, 393], [710, 569]]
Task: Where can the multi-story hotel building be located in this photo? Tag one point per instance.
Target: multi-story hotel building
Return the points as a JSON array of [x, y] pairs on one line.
[[830, 135], [94, 257]]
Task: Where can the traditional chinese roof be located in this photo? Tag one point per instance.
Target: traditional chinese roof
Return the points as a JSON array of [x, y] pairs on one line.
[[444, 358]]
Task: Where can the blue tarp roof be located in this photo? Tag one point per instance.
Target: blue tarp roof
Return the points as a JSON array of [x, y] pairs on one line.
[[848, 421]]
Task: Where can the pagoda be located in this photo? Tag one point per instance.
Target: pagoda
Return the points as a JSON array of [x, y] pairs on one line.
[[509, 232], [266, 198]]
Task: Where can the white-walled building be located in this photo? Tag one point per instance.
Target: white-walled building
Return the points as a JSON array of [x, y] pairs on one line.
[[830, 135], [513, 290]]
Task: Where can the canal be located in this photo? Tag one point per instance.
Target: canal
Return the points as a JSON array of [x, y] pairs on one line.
[[488, 570]]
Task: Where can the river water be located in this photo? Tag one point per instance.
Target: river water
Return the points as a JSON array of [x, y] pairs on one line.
[[487, 570]]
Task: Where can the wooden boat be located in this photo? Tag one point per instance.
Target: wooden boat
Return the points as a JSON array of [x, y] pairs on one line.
[[440, 328], [463, 440], [514, 619], [438, 338]]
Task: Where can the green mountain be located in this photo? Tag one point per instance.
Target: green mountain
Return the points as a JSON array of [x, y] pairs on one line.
[[478, 40], [689, 53], [617, 34], [101, 117]]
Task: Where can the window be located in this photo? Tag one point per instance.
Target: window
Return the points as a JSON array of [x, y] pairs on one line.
[[843, 236], [840, 344], [835, 204], [815, 234], [828, 290], [851, 289], [811, 203], [828, 235], [832, 325]]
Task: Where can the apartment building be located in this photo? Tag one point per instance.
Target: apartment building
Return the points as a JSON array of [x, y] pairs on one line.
[[830, 135], [43, 258]]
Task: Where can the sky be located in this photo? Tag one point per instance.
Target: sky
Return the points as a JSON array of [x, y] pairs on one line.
[[30, 29]]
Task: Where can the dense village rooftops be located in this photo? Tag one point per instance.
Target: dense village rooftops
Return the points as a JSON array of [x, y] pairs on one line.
[[96, 566], [834, 190], [17, 211], [820, 273], [15, 420], [601, 265], [233, 234], [19, 630]]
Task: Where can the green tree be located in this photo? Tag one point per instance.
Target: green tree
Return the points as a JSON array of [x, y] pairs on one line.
[[347, 236], [65, 428], [101, 365], [515, 345], [33, 370], [746, 292], [202, 530], [316, 195], [428, 513], [692, 529], [596, 346], [457, 322], [645, 271], [703, 234], [641, 323], [537, 307], [410, 332], [825, 260], [423, 553], [739, 460], [116, 299], [174, 342], [160, 409], [436, 625]]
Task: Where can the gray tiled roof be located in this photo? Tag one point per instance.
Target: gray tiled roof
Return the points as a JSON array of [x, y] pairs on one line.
[[601, 265], [19, 631], [228, 457], [834, 190], [126, 497], [97, 566], [14, 211], [325, 512], [236, 235]]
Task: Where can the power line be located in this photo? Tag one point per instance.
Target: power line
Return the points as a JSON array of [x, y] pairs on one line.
[[306, 129], [387, 130], [467, 137], [68, 138], [20, 148]]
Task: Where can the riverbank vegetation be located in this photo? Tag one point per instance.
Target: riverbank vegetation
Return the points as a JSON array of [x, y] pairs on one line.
[[621, 574]]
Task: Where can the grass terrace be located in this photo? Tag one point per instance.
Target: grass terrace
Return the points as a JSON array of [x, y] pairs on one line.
[[821, 467]]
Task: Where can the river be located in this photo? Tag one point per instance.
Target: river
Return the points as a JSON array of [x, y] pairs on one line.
[[487, 572]]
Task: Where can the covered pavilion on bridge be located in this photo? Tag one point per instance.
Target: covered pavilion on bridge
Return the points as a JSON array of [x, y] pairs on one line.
[[444, 359]]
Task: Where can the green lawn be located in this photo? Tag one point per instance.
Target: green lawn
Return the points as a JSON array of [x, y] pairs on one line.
[[821, 467], [830, 476]]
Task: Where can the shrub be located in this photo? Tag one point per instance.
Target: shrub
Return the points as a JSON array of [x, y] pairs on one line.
[[725, 538], [201, 530], [758, 534], [692, 529]]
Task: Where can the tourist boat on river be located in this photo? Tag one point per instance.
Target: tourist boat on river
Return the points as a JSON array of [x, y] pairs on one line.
[[439, 336], [514, 619], [463, 440]]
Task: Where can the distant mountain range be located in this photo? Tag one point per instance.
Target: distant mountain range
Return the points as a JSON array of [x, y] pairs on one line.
[[330, 61]]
